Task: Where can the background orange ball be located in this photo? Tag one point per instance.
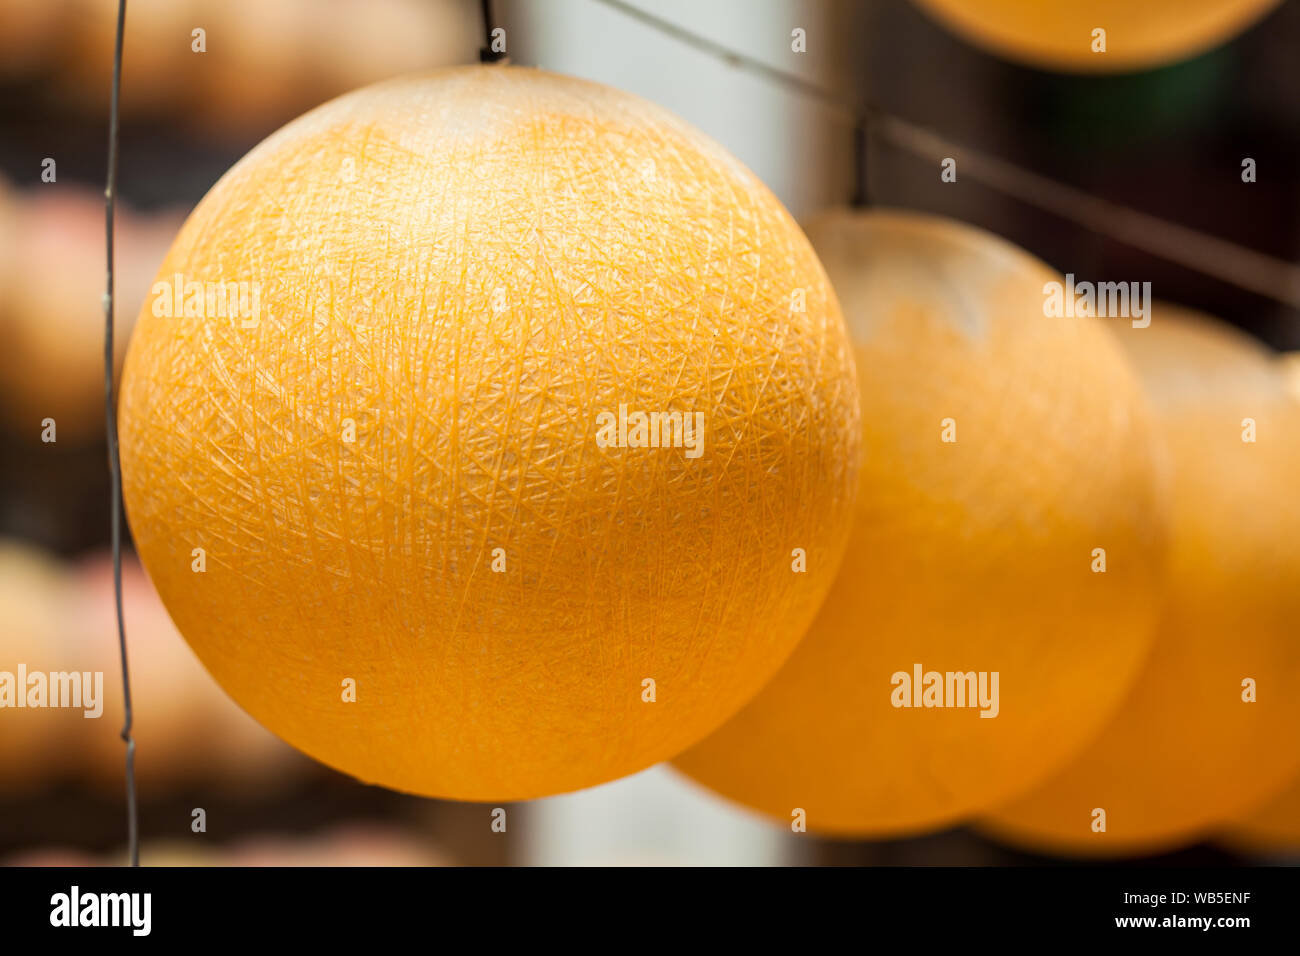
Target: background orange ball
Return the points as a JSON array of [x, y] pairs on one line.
[[1271, 827], [399, 470], [51, 309], [1187, 751], [1001, 448], [1058, 34], [1274, 825], [185, 728], [34, 589], [1291, 368]]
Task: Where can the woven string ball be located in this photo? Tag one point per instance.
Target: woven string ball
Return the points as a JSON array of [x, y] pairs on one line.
[[1003, 451], [407, 514], [1058, 34], [1193, 744]]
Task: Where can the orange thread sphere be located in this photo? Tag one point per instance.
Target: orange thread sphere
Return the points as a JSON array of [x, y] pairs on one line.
[[967, 556], [401, 474], [1186, 751], [1058, 34]]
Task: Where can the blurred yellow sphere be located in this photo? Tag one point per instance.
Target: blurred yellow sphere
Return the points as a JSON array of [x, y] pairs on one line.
[[1211, 727], [1272, 827], [1059, 34], [51, 313], [1291, 369], [1277, 823], [1002, 451], [34, 590], [186, 728]]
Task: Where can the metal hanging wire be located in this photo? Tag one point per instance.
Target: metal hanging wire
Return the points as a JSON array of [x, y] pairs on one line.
[[485, 53], [1237, 265], [114, 458]]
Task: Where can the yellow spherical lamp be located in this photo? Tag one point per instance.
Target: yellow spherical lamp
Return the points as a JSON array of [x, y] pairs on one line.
[[970, 643], [518, 448], [1210, 728], [1275, 825], [1063, 35], [1272, 827]]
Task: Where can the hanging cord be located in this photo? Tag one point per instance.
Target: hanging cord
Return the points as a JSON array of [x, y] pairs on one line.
[[485, 53], [114, 461], [1237, 265]]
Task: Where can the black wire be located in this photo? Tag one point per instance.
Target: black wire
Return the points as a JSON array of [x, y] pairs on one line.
[[858, 116], [114, 461], [829, 98], [485, 53], [1243, 267]]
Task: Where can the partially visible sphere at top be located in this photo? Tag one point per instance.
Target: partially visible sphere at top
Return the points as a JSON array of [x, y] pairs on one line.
[[1058, 34], [402, 471]]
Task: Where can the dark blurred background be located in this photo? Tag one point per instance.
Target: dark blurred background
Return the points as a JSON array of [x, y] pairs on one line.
[[1169, 141]]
